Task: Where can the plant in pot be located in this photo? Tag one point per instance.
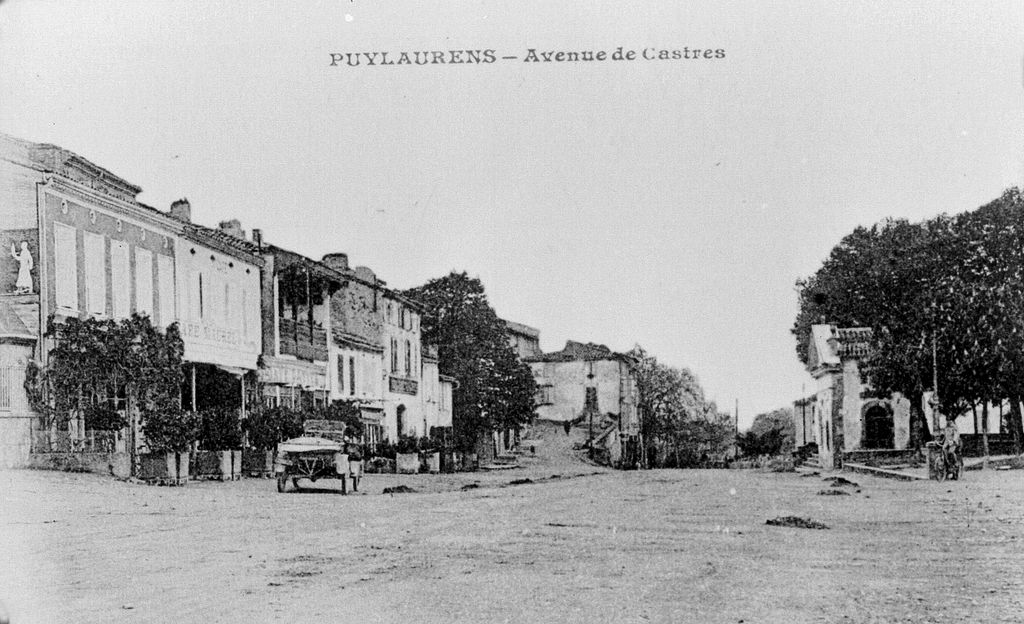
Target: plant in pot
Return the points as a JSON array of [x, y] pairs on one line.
[[430, 458], [407, 458], [264, 428], [171, 432], [220, 438]]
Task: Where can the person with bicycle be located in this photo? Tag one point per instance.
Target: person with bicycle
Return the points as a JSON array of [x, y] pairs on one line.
[[951, 446]]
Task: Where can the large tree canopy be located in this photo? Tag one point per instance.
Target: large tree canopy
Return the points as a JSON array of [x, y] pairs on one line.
[[955, 284], [495, 389]]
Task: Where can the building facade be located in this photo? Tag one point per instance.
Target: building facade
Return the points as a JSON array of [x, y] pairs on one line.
[[83, 246], [844, 418], [296, 293], [80, 245]]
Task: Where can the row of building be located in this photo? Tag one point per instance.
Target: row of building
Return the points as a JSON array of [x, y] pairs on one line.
[[259, 322]]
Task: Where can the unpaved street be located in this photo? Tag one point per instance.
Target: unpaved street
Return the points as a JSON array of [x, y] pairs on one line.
[[656, 546]]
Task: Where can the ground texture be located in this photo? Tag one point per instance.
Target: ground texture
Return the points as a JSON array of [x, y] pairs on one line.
[[589, 545]]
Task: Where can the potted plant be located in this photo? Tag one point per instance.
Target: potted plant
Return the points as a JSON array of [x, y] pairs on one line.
[[407, 457], [264, 428], [220, 438], [170, 433]]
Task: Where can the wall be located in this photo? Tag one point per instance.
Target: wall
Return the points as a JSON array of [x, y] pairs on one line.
[[355, 310], [368, 374], [223, 326], [82, 218], [15, 417], [853, 421]]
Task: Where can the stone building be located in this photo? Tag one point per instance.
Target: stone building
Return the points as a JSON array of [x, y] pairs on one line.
[[525, 340], [844, 419], [589, 384], [378, 359], [296, 294]]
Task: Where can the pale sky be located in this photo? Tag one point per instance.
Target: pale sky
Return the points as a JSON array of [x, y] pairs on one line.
[[668, 203]]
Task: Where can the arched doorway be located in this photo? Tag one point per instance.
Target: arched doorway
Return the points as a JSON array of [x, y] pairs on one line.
[[399, 418], [878, 429]]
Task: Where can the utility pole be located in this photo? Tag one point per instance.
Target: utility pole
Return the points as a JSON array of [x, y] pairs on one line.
[[935, 385], [736, 431]]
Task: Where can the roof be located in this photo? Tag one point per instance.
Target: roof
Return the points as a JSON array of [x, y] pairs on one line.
[[285, 259], [224, 242], [524, 330], [829, 345], [11, 326], [579, 351]]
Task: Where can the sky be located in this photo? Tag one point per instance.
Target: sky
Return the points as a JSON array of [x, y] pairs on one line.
[[667, 203]]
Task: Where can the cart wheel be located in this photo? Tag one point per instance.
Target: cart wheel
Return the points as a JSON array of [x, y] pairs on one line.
[[282, 483]]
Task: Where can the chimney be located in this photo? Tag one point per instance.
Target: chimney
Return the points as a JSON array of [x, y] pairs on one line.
[[337, 261], [257, 238], [232, 227], [182, 210]]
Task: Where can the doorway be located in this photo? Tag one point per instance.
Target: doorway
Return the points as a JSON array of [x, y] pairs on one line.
[[878, 429]]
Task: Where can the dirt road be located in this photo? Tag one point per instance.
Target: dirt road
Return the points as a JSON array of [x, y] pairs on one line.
[[657, 546]]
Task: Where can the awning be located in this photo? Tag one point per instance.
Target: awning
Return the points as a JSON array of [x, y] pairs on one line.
[[237, 372], [294, 373], [371, 415]]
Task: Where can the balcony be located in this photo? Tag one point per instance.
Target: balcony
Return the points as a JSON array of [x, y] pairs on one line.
[[302, 341]]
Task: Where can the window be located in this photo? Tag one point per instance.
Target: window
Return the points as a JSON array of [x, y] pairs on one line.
[[352, 375], [66, 266], [394, 355], [243, 314], [340, 372], [165, 265], [120, 283], [195, 296], [143, 281], [408, 359], [545, 395], [228, 303], [95, 274]]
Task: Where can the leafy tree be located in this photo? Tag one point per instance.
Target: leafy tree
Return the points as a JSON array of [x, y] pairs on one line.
[[678, 425], [495, 389], [266, 426], [771, 433], [93, 361]]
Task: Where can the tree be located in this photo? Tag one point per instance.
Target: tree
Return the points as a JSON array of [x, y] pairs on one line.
[[771, 433], [495, 389], [93, 362], [678, 425]]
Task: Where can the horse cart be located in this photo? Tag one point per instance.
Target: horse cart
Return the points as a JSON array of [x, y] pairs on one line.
[[321, 453]]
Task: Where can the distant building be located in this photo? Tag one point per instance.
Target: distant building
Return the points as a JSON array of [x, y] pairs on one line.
[[589, 383], [843, 418]]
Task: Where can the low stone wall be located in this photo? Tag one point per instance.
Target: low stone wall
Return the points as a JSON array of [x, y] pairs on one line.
[[883, 457], [998, 444], [116, 464]]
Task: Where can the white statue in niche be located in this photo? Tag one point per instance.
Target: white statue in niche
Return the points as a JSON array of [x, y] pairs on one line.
[[24, 284]]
